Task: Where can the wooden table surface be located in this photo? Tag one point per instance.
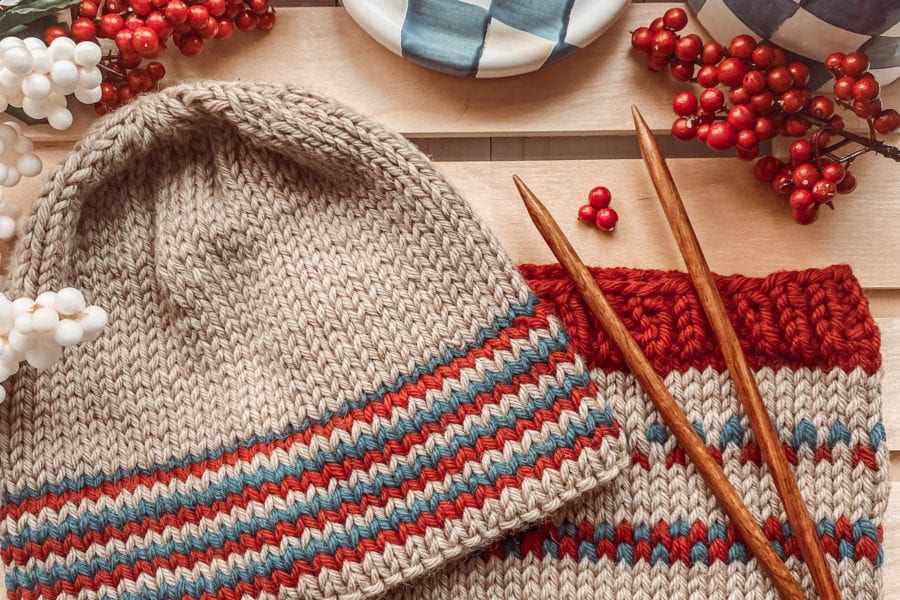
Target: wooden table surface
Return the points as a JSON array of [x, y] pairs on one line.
[[565, 129]]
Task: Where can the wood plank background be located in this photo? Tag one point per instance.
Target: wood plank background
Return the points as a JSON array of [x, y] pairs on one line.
[[565, 129]]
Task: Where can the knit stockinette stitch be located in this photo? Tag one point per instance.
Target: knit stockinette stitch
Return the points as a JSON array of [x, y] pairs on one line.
[[657, 532], [321, 377]]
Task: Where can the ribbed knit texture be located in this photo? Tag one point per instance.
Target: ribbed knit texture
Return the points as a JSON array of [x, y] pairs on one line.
[[658, 532], [321, 377]]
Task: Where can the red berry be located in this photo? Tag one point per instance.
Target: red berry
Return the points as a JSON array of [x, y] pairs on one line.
[[867, 109], [801, 199], [176, 11], [805, 175], [702, 131], [821, 138], [155, 70], [216, 8], [124, 94], [865, 89], [139, 80], [754, 82], [641, 38], [107, 93], [599, 197], [746, 139], [762, 103], [837, 122], [708, 76], [675, 19], [792, 101], [226, 28], [722, 135], [663, 43], [821, 107], [123, 39], [688, 48], [210, 30], [795, 126], [783, 183], [742, 47], [763, 128], [260, 7], [738, 95], [848, 184], [53, 32], [657, 24], [833, 172], [779, 56], [247, 21], [800, 151], [741, 117], [158, 22], [823, 190], [763, 56], [133, 22], [587, 213], [145, 40], [731, 72], [887, 121], [115, 6], [198, 16], [855, 64], [101, 109], [800, 73], [191, 44], [87, 9], [683, 129], [834, 63], [654, 61], [747, 153], [681, 70], [712, 53], [606, 219], [684, 103], [805, 217], [712, 99], [779, 80], [130, 58], [767, 168], [141, 8], [843, 87], [111, 24], [83, 30]]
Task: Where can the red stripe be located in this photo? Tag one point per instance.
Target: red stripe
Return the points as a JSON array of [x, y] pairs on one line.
[[446, 511], [750, 454], [817, 318], [448, 465], [520, 329]]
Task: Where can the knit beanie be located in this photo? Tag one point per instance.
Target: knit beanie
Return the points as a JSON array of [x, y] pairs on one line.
[[321, 377], [658, 532]]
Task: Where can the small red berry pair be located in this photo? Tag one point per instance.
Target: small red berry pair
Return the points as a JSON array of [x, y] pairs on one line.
[[597, 209]]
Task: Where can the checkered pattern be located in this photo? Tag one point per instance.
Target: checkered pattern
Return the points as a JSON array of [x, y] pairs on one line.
[[813, 29], [485, 38]]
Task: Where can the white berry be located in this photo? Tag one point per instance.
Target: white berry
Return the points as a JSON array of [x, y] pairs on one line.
[[29, 165], [43, 356], [60, 118], [69, 301], [93, 319], [23, 324], [47, 299], [18, 60], [36, 86], [7, 228], [62, 48], [87, 54], [89, 95], [68, 333]]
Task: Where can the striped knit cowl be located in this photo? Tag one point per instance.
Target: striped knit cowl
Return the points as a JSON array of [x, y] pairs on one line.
[[323, 378]]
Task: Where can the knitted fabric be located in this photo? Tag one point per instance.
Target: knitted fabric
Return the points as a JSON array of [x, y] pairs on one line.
[[658, 532], [321, 377]]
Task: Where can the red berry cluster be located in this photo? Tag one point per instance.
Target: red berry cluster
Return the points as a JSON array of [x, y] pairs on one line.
[[597, 210], [142, 28], [768, 96]]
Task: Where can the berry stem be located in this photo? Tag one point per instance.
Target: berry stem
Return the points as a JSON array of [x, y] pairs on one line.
[[874, 145]]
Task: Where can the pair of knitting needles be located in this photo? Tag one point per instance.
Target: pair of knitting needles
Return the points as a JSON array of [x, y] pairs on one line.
[[743, 379]]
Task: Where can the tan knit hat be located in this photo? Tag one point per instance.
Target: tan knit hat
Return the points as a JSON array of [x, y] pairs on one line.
[[321, 376]]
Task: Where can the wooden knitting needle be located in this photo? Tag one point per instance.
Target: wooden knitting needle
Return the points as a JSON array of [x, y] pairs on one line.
[[744, 382], [671, 413]]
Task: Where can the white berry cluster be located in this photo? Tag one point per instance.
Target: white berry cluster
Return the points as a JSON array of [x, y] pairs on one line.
[[17, 158], [37, 78], [9, 214], [37, 330]]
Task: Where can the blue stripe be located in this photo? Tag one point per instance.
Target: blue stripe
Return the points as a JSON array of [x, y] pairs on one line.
[[350, 539], [354, 450], [429, 368]]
